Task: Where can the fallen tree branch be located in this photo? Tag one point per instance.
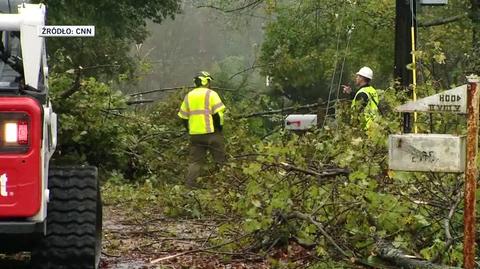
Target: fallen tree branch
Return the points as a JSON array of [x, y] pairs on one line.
[[75, 86], [136, 102], [277, 111], [196, 250], [160, 90], [175, 89], [303, 244], [246, 70], [324, 173], [443, 20], [252, 4], [350, 257], [79, 72], [388, 252], [299, 215], [448, 236]]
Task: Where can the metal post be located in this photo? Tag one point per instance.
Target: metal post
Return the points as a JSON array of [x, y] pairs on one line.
[[403, 42], [404, 20], [471, 173], [407, 123]]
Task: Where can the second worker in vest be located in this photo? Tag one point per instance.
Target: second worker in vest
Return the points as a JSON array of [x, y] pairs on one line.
[[366, 98], [202, 114]]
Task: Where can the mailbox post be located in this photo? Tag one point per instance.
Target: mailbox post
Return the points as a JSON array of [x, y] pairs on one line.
[[471, 174], [443, 152]]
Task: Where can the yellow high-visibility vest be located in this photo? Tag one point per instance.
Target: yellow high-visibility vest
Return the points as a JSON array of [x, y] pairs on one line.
[[371, 109], [197, 107]]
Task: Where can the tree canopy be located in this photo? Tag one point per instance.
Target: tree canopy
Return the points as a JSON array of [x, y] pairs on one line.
[[312, 46], [119, 25]]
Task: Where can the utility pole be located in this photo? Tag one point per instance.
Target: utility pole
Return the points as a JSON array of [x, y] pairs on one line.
[[403, 41], [403, 48], [475, 17]]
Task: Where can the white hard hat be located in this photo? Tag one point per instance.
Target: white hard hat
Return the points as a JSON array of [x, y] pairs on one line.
[[365, 72]]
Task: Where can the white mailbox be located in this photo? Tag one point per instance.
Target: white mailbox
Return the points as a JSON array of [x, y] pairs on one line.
[[300, 122], [427, 152], [433, 2]]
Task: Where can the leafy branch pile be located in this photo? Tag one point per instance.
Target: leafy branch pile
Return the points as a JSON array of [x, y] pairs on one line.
[[277, 191], [328, 190]]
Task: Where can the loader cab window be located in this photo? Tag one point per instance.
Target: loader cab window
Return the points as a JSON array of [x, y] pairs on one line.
[[10, 64]]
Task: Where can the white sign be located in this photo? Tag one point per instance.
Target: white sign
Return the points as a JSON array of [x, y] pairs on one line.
[[452, 101], [427, 152], [66, 31]]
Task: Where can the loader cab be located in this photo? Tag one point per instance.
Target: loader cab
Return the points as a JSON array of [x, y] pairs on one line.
[[10, 6], [10, 53], [12, 80], [12, 71], [10, 63]]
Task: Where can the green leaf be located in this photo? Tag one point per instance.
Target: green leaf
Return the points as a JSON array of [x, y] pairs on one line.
[[256, 203], [252, 169]]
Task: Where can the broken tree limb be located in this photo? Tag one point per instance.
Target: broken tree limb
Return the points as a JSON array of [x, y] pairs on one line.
[[348, 256], [248, 5], [277, 111], [197, 250], [79, 73], [446, 225], [75, 86], [443, 20], [323, 173], [139, 102], [246, 70], [160, 90], [299, 215], [388, 252], [285, 109], [174, 89]]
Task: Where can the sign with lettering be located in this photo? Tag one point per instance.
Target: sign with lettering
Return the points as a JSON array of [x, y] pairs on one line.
[[427, 152], [453, 101]]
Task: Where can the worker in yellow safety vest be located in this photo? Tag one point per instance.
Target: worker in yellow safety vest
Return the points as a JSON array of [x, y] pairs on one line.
[[202, 113], [366, 98]]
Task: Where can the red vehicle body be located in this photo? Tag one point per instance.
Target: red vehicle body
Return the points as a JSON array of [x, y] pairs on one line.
[[20, 163]]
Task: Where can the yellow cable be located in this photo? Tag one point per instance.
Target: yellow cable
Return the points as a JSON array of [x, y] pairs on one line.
[[414, 78]]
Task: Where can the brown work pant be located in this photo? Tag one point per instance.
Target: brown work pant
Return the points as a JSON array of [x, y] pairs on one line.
[[199, 145]]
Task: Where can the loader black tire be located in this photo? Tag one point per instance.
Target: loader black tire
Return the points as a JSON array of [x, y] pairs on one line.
[[74, 221]]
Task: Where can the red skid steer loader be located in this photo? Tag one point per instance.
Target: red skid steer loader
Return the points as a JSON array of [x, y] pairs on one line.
[[54, 212]]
